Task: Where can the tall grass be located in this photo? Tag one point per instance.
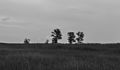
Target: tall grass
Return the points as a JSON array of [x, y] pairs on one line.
[[52, 57]]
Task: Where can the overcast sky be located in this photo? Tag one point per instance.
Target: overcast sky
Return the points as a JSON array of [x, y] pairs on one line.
[[35, 19]]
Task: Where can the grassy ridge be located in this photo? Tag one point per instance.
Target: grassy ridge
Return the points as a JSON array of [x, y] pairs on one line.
[[59, 57]]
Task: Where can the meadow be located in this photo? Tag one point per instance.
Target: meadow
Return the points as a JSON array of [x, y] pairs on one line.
[[59, 56]]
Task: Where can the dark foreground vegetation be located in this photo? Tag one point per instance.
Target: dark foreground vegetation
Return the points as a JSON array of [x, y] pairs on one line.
[[59, 56]]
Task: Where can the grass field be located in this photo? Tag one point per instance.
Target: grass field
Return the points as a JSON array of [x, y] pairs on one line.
[[59, 57]]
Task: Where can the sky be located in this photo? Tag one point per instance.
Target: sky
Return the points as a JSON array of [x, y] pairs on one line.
[[36, 19]]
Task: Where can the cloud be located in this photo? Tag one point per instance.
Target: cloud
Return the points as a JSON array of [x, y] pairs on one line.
[[31, 2], [6, 21], [12, 22]]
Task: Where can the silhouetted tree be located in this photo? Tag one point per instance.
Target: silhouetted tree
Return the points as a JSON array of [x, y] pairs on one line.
[[47, 41], [26, 41], [56, 34], [80, 37], [71, 37]]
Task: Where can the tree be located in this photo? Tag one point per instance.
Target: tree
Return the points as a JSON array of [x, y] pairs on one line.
[[80, 37], [26, 41], [56, 34], [71, 37], [47, 41]]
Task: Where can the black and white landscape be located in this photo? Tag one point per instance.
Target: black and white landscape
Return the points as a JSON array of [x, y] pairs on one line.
[[59, 35]]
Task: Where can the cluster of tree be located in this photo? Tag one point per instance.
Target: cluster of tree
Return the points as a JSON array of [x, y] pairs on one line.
[[26, 41], [56, 34]]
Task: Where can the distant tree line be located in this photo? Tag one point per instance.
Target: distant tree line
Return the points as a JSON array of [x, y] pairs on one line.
[[57, 35]]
